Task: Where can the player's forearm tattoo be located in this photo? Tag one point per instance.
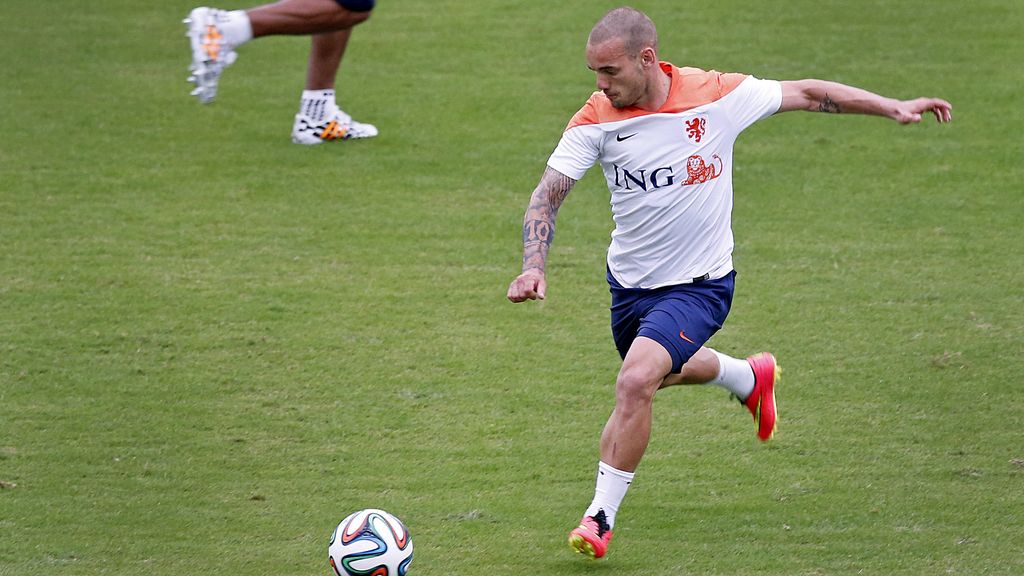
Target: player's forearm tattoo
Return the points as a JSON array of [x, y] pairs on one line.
[[538, 231], [539, 221], [828, 105]]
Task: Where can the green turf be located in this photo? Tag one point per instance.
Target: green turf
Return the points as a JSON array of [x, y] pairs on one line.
[[214, 344]]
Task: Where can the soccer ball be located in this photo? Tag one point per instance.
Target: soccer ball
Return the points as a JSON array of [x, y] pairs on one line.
[[370, 542]]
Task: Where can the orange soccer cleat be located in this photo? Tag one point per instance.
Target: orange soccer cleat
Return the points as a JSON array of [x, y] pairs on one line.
[[592, 536], [761, 401]]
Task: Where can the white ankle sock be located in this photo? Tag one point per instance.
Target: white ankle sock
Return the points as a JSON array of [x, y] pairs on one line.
[[318, 105], [235, 27], [735, 375], [611, 489]]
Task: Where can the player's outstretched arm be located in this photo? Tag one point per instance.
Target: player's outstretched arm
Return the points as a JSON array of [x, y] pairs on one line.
[[538, 232], [836, 98]]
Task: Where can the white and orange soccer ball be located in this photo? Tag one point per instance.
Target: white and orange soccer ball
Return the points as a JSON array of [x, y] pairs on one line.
[[370, 542]]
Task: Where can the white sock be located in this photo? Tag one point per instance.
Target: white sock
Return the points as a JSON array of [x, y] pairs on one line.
[[318, 105], [735, 375], [235, 27], [611, 489]]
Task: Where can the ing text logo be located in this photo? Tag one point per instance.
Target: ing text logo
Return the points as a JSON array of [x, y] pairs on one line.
[[643, 178]]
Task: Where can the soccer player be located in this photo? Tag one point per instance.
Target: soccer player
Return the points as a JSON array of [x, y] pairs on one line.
[[664, 138], [214, 34]]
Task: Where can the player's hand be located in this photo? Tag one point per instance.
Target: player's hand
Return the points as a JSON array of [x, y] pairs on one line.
[[530, 285], [910, 111]]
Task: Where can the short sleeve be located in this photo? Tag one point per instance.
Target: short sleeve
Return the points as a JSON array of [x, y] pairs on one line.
[[577, 151], [754, 99]]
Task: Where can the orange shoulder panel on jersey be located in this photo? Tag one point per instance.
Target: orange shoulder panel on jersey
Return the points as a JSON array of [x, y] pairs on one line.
[[599, 110], [691, 87]]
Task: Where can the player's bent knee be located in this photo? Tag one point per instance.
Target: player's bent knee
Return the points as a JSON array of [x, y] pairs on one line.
[[635, 386]]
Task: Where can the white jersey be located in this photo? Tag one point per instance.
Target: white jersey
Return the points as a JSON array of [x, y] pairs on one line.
[[669, 172]]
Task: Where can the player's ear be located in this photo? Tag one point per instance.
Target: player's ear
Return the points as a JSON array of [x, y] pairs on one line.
[[647, 57]]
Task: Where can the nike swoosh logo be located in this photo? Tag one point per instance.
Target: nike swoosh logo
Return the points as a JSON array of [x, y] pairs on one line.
[[620, 138], [683, 336]]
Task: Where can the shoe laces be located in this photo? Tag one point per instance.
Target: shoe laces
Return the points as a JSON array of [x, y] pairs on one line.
[[602, 523]]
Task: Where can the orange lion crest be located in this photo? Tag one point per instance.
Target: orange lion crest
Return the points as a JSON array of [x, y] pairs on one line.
[[695, 128]]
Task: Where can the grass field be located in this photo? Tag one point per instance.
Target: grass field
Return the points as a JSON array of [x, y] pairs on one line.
[[215, 344]]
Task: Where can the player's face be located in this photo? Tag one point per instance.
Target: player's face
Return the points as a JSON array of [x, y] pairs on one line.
[[619, 75]]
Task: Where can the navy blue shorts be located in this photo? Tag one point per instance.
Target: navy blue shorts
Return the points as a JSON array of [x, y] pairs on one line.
[[356, 5], [681, 318]]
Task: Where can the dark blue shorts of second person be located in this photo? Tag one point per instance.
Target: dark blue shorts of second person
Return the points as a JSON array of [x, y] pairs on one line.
[[356, 5], [681, 318]]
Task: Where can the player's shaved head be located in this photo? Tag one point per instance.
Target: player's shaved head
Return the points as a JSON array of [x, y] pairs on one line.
[[630, 25]]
